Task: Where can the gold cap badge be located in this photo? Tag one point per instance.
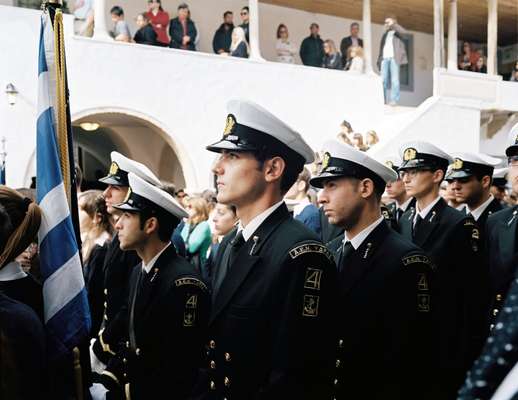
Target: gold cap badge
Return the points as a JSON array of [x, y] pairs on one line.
[[325, 160], [389, 164], [229, 125], [114, 168], [458, 163], [127, 196], [410, 154]]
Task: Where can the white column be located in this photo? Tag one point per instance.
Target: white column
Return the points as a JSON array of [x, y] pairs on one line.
[[100, 30], [452, 36], [492, 37], [438, 34], [367, 35], [255, 50]]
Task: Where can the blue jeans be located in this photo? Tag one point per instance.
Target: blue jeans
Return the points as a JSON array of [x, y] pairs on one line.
[[390, 73]]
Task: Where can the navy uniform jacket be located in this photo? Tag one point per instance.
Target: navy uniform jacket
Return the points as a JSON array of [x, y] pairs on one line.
[[328, 230], [165, 322], [271, 331], [384, 320], [22, 352], [493, 207], [118, 267], [452, 241], [391, 214], [502, 253], [25, 290], [500, 353]]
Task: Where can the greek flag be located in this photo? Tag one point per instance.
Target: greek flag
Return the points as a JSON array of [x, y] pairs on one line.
[[2, 173], [67, 317]]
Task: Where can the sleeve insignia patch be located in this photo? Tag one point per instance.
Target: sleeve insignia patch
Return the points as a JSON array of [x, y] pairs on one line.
[[423, 302], [313, 277], [475, 234], [422, 282], [310, 307], [192, 301], [311, 248], [416, 259], [190, 281], [189, 317]]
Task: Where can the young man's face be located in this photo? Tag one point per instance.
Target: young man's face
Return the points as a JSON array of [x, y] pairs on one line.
[[395, 189], [129, 232], [228, 19], [512, 176], [114, 195], [355, 30], [239, 178], [244, 15], [115, 17], [418, 183], [314, 30], [467, 190], [341, 201]]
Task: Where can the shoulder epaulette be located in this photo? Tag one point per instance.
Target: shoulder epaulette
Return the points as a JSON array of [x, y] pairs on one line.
[[190, 281], [311, 248]]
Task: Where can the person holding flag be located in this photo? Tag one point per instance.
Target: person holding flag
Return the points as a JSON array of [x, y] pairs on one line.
[[66, 312]]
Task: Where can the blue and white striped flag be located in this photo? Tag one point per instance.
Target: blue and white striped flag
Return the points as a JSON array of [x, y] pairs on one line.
[[67, 316]]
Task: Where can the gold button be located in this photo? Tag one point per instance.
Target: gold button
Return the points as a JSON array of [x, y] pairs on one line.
[[105, 291], [125, 361], [213, 364], [341, 343], [336, 382], [137, 352], [212, 344], [337, 363], [227, 356], [105, 304], [127, 345], [105, 317], [498, 297], [124, 374], [212, 385], [491, 326], [227, 382], [495, 311]]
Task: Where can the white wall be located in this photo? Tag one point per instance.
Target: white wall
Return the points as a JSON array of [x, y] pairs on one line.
[[208, 15], [182, 93]]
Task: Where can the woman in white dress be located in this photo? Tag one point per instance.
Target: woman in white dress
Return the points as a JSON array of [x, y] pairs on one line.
[[285, 49]]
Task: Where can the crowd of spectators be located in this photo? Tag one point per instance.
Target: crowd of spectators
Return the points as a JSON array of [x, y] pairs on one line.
[[356, 139]]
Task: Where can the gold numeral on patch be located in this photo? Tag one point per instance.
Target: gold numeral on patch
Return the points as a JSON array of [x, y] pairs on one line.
[[310, 308], [423, 302], [313, 277], [422, 282], [192, 301]]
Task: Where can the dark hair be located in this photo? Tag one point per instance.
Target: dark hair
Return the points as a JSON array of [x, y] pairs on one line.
[[20, 220], [305, 176], [167, 222], [314, 24], [95, 205], [232, 208], [183, 6], [281, 26], [294, 164], [246, 8], [347, 125], [355, 24], [227, 13], [157, 1], [169, 187], [117, 10]]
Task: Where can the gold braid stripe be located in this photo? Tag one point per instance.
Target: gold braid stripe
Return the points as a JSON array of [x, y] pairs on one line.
[[61, 106]]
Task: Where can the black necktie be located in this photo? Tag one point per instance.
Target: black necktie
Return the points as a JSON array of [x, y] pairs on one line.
[[418, 221], [347, 250], [227, 260], [399, 213]]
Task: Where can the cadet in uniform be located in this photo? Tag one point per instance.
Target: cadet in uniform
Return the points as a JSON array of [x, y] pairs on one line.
[[396, 192], [384, 316], [271, 332], [118, 264], [470, 177], [452, 241], [168, 305], [498, 186]]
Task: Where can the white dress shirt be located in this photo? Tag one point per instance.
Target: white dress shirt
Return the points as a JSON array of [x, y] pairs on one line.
[[477, 212], [403, 206], [147, 267], [426, 210], [388, 48], [256, 222], [360, 237], [12, 272]]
